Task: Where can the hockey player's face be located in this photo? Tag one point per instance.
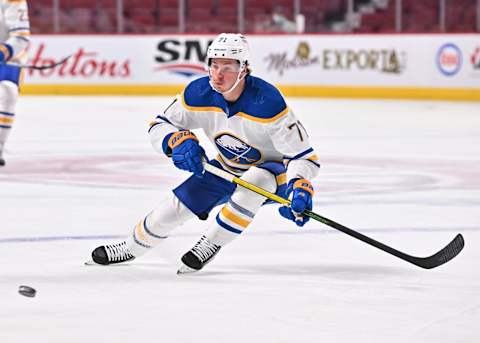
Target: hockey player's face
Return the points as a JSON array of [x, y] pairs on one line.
[[224, 73]]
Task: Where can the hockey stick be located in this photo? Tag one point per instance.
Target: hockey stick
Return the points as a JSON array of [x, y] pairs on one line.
[[443, 256], [44, 67]]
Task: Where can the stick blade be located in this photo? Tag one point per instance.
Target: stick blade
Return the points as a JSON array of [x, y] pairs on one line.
[[451, 250]]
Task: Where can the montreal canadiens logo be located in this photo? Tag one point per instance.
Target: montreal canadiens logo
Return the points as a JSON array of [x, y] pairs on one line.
[[237, 151], [449, 59]]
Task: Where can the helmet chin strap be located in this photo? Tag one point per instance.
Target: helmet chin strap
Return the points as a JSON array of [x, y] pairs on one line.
[[234, 85]]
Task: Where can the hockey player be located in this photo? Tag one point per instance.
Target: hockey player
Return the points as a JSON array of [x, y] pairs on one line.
[[257, 137], [14, 40]]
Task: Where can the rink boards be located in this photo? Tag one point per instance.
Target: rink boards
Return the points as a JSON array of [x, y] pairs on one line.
[[416, 66]]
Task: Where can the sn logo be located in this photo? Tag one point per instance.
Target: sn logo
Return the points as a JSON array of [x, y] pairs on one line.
[[173, 50]]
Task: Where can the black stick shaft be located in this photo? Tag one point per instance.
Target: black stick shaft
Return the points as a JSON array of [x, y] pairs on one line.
[[441, 257]]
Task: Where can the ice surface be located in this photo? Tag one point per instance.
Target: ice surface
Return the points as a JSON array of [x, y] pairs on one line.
[[81, 172]]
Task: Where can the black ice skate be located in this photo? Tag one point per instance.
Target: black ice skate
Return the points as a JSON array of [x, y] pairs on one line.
[[112, 253], [195, 259]]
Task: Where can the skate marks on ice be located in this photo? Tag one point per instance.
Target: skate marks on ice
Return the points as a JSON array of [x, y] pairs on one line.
[[348, 176], [106, 171], [345, 177], [270, 233]]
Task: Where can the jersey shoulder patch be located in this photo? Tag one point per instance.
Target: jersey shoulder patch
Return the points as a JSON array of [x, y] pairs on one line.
[[264, 102], [199, 96]]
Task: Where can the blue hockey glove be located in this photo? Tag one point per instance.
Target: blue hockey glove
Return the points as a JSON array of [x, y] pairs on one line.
[[187, 154], [300, 192], [6, 52]]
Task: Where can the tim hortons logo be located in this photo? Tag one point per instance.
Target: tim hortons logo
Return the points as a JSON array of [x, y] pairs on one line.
[[82, 64]]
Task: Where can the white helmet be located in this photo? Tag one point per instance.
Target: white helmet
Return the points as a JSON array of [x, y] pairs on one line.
[[231, 46]]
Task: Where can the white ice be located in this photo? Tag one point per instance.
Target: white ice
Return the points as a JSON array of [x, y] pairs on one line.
[[81, 172]]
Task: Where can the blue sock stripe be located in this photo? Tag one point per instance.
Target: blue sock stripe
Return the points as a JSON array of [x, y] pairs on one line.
[[226, 226], [240, 209], [7, 113], [140, 243], [5, 126], [150, 232]]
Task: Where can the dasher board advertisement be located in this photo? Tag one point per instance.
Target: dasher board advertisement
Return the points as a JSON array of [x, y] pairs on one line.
[[407, 61]]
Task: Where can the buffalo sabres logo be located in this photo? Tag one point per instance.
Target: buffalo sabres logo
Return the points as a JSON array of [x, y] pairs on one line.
[[237, 151]]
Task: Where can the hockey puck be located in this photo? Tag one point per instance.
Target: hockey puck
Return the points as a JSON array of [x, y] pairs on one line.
[[27, 291]]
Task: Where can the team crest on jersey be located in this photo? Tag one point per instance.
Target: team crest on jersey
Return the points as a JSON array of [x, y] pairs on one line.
[[237, 151]]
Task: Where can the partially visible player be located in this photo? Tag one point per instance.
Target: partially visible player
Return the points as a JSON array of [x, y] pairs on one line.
[[257, 137], [14, 41]]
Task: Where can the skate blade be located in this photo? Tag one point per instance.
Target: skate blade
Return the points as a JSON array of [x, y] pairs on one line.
[[185, 270]]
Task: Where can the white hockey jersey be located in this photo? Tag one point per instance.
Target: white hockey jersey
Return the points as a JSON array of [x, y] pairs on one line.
[[257, 128], [15, 27]]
